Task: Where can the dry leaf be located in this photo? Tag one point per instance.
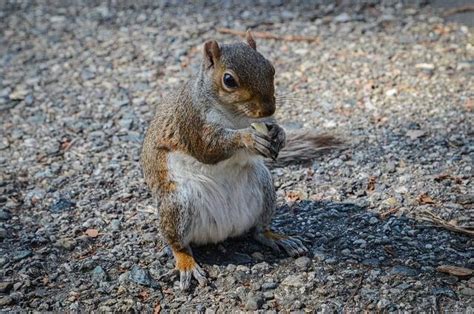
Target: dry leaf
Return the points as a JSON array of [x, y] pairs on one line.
[[414, 134], [455, 270], [469, 104], [371, 184], [93, 233], [144, 295], [293, 196], [425, 199]]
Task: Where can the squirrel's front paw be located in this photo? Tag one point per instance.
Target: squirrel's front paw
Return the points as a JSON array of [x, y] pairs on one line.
[[277, 136], [265, 139]]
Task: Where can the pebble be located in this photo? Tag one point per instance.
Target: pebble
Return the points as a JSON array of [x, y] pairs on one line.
[[3, 233], [115, 224], [254, 302], [346, 252], [404, 271], [4, 215], [22, 254], [141, 276], [5, 300], [5, 286], [444, 292], [342, 18], [303, 262], [383, 304], [268, 295], [360, 242], [269, 286], [66, 243], [99, 274], [468, 292], [373, 221], [62, 205], [258, 256], [296, 281]]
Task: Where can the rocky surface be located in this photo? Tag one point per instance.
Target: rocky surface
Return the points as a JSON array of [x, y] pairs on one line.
[[77, 227]]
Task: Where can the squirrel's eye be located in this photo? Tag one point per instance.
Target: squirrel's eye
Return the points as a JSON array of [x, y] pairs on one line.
[[229, 81]]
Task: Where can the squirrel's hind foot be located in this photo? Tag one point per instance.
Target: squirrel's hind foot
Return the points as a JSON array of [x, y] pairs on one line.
[[188, 268], [293, 246]]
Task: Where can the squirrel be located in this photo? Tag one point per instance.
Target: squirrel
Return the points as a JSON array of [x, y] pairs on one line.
[[204, 161]]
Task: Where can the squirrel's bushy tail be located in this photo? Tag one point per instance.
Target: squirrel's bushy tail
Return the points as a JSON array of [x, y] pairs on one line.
[[303, 146]]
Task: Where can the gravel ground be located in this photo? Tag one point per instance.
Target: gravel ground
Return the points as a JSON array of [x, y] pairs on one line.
[[78, 82]]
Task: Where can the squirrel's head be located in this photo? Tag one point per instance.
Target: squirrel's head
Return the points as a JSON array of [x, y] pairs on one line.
[[242, 79]]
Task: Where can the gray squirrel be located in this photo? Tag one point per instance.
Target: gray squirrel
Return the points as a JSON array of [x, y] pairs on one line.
[[203, 156]]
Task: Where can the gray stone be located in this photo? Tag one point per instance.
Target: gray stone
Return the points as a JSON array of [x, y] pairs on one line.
[[5, 286], [303, 262], [66, 243], [142, 277], [99, 274], [115, 224], [62, 205], [19, 255], [467, 291], [374, 262], [269, 286], [258, 256], [5, 300], [342, 18], [346, 252], [3, 233], [4, 215], [254, 302], [444, 291], [268, 295], [296, 281], [383, 304], [403, 271], [373, 220]]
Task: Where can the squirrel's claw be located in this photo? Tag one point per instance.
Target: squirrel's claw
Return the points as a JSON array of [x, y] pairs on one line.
[[200, 275], [188, 268], [293, 246], [185, 277], [262, 239], [265, 147]]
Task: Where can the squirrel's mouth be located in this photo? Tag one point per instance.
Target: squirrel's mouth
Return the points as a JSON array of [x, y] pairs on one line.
[[258, 111]]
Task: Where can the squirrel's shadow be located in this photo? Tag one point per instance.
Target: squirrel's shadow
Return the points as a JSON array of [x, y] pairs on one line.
[[343, 232]]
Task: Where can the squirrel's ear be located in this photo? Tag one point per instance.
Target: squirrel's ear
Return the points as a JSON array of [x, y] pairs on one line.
[[212, 53], [250, 40]]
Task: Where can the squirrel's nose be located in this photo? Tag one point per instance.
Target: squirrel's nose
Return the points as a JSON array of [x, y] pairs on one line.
[[267, 107]]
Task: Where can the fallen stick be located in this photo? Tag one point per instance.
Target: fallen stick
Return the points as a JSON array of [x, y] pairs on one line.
[[461, 9], [438, 222], [268, 35]]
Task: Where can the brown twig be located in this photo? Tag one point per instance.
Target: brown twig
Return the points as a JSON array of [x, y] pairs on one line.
[[387, 213], [268, 35], [438, 222], [461, 9]]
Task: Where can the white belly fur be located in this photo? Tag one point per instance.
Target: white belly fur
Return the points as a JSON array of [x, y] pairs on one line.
[[225, 199]]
